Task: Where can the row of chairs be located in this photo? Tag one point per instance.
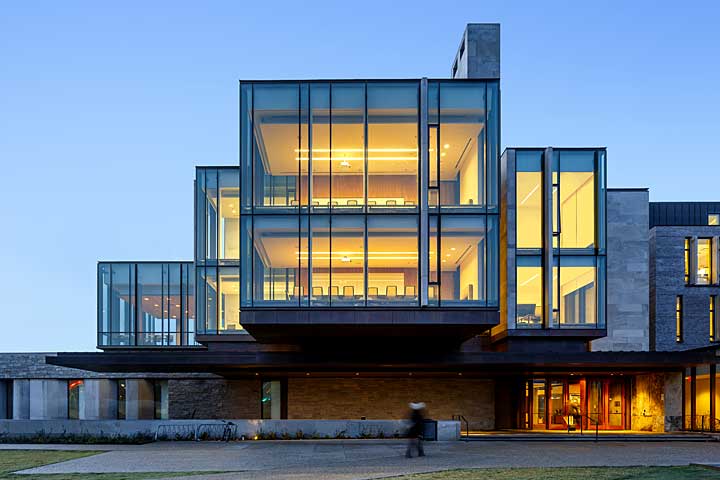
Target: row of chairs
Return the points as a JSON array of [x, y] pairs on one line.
[[348, 291]]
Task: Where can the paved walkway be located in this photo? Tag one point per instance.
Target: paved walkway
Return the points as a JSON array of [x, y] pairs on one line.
[[367, 459]]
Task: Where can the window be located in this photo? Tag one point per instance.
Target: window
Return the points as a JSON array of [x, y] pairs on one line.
[[529, 199], [271, 401], [121, 398], [687, 261], [392, 145], [713, 319], [160, 390], [164, 312], [714, 219], [529, 307], [577, 301], [679, 318], [704, 261], [574, 198], [462, 145], [76, 399], [392, 260]]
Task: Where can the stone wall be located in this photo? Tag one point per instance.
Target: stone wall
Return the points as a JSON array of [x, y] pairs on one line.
[[667, 247], [211, 398], [628, 261], [388, 398], [648, 410]]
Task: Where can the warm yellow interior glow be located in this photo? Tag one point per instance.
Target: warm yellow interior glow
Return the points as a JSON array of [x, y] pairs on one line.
[[529, 295], [577, 210], [529, 210]]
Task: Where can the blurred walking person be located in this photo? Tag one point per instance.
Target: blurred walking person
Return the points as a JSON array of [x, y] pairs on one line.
[[415, 431]]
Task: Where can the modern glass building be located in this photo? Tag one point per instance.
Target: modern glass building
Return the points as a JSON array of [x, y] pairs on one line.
[[372, 246]]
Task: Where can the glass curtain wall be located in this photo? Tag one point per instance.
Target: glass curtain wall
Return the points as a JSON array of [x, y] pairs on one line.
[[349, 234], [576, 199], [578, 204], [146, 304]]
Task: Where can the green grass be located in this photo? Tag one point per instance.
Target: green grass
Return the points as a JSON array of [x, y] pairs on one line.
[[589, 473], [14, 460]]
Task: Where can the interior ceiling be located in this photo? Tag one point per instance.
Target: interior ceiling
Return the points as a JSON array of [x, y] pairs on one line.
[[397, 251], [392, 148]]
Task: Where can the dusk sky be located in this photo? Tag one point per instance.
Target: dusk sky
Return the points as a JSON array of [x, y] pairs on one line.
[[106, 107]]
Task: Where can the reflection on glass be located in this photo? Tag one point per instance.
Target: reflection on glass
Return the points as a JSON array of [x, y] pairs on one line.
[[392, 260], [615, 404], [688, 400], [529, 199], [276, 121], [392, 144], [714, 219], [529, 292], [463, 243], [462, 144], [76, 399], [594, 402], [320, 258], [150, 294], [704, 261], [271, 401]]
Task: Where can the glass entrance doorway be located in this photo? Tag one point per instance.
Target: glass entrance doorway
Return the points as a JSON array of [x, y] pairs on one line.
[[574, 403]]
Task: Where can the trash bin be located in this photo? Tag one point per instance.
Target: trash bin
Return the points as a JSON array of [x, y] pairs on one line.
[[430, 430]]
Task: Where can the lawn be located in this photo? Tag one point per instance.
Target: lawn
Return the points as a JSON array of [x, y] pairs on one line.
[[589, 473], [14, 460]]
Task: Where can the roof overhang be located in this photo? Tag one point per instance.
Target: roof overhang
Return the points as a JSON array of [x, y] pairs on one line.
[[379, 361]]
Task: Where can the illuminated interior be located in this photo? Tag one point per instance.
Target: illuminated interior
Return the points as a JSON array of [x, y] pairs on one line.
[[575, 294], [576, 199], [529, 199], [529, 292], [704, 261]]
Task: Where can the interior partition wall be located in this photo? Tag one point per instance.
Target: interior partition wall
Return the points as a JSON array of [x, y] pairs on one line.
[[560, 198], [146, 304], [335, 200]]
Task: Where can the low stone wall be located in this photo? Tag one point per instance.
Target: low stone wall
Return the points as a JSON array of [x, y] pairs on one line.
[[94, 431]]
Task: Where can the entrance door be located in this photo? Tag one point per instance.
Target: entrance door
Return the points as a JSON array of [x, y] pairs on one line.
[[615, 405], [557, 405], [538, 405]]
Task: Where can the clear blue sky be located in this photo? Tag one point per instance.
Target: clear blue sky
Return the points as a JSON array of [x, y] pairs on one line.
[[105, 109]]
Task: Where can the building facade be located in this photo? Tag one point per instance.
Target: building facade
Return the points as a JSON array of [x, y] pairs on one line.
[[373, 247]]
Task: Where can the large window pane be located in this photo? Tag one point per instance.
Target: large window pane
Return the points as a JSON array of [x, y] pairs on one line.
[[463, 241], [347, 154], [151, 313], [704, 261], [189, 325], [277, 149], [392, 257], [462, 143], [392, 145], [529, 199], [211, 215], [276, 253], [577, 199], [320, 258], [493, 142], [577, 291], [246, 145], [172, 297], [529, 292], [702, 397], [320, 154], [229, 300], [229, 215], [122, 303], [347, 254]]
